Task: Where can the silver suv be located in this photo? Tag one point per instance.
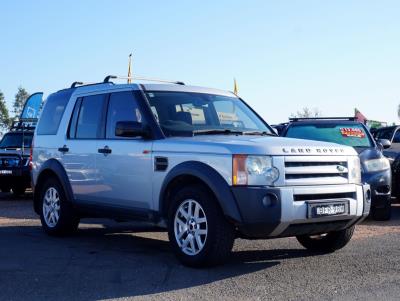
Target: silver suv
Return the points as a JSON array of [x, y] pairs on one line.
[[197, 161]]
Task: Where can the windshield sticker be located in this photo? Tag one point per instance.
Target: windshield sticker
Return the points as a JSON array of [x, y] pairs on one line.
[[352, 132]]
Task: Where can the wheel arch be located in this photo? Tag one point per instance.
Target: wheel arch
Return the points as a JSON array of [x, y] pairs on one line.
[[192, 172], [51, 168]]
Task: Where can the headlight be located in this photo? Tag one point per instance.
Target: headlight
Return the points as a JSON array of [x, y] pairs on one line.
[[253, 170], [376, 165], [354, 170]]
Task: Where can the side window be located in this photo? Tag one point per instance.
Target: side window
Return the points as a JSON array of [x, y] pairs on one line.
[[396, 138], [74, 118], [52, 113], [89, 121], [123, 106]]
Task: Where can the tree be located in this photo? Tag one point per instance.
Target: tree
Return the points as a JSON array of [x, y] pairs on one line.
[[4, 116], [398, 111], [19, 101], [307, 113]]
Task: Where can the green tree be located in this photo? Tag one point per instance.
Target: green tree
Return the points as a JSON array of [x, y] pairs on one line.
[[4, 116], [19, 101]]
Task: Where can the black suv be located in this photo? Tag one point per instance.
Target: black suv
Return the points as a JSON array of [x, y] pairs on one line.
[[375, 167], [14, 157]]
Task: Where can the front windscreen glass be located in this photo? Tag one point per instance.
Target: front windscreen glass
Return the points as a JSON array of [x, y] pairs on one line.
[[184, 113], [14, 140], [347, 134]]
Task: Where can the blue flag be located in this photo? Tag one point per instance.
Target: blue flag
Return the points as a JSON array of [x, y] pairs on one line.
[[32, 106]]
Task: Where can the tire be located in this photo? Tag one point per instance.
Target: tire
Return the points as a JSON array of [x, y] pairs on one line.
[[215, 233], [53, 201], [326, 243], [382, 214], [5, 189], [18, 190]]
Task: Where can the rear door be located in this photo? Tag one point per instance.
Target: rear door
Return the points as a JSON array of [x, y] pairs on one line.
[[125, 169], [80, 150]]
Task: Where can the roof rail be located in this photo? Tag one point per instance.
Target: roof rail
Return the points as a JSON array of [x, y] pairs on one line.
[[24, 124], [294, 119], [109, 77]]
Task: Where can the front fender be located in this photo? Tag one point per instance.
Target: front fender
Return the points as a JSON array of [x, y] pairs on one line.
[[212, 179]]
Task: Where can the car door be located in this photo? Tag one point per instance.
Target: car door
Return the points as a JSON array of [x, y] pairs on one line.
[[80, 150], [124, 163]]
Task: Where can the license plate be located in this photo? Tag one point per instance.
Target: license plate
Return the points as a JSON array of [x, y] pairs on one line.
[[5, 172], [328, 209]]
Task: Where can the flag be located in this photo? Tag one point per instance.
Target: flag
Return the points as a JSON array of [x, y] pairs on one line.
[[359, 116], [129, 69], [235, 87]]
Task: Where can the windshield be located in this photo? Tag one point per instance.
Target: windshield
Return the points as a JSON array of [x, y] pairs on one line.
[[14, 140], [347, 134], [184, 113]]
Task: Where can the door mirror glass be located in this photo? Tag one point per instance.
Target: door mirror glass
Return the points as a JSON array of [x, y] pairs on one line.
[[384, 143], [131, 129]]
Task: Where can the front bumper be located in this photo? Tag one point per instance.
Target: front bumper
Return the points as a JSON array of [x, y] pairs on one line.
[[15, 176], [282, 211], [380, 183]]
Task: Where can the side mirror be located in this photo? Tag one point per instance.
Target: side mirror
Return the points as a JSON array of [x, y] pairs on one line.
[[131, 129], [384, 143]]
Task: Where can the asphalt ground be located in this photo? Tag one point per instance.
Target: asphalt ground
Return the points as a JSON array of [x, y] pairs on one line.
[[108, 260]]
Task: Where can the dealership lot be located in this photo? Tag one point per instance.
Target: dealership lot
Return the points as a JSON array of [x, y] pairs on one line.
[[124, 261]]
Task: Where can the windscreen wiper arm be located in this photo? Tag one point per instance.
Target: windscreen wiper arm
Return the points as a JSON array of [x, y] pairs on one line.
[[264, 133], [216, 132]]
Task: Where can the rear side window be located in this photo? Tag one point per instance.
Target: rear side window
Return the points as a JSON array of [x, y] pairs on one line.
[[123, 106], [90, 117], [52, 113]]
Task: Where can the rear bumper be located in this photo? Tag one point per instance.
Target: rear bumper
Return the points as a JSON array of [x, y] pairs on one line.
[[283, 211]]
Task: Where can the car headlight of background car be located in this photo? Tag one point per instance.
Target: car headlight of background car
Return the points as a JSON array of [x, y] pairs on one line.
[[376, 165], [253, 170]]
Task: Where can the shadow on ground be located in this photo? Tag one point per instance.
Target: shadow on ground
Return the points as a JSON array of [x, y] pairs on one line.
[[100, 263]]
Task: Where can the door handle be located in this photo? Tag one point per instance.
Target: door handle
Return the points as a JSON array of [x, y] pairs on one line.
[[63, 149], [106, 150]]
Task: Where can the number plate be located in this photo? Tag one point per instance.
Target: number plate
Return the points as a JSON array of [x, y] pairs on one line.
[[5, 172], [328, 209]]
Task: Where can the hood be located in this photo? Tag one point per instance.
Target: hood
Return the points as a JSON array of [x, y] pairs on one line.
[[252, 145]]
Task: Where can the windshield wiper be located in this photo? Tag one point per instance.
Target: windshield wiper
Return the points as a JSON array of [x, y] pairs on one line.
[[259, 133], [217, 132]]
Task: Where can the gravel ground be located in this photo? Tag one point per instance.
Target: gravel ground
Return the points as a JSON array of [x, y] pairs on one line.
[[130, 261]]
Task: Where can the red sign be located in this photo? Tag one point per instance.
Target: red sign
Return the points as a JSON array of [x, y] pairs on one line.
[[352, 132]]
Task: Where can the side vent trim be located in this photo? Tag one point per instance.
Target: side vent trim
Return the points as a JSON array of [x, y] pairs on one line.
[[160, 163]]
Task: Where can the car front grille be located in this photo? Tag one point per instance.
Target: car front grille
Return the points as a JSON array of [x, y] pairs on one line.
[[312, 170]]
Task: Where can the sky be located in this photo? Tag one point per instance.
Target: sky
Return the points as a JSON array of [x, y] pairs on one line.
[[285, 55]]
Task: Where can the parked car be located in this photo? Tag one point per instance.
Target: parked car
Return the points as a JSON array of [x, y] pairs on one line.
[[14, 158], [197, 161], [347, 131], [392, 133]]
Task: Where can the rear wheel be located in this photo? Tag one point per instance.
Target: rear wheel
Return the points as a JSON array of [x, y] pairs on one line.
[[197, 229], [5, 189], [328, 242], [57, 216]]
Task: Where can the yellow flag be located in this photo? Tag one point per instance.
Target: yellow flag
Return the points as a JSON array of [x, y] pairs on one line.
[[235, 87], [129, 68]]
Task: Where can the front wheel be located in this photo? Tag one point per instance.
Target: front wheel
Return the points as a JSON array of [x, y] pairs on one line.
[[57, 216], [328, 242], [198, 231], [382, 214]]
